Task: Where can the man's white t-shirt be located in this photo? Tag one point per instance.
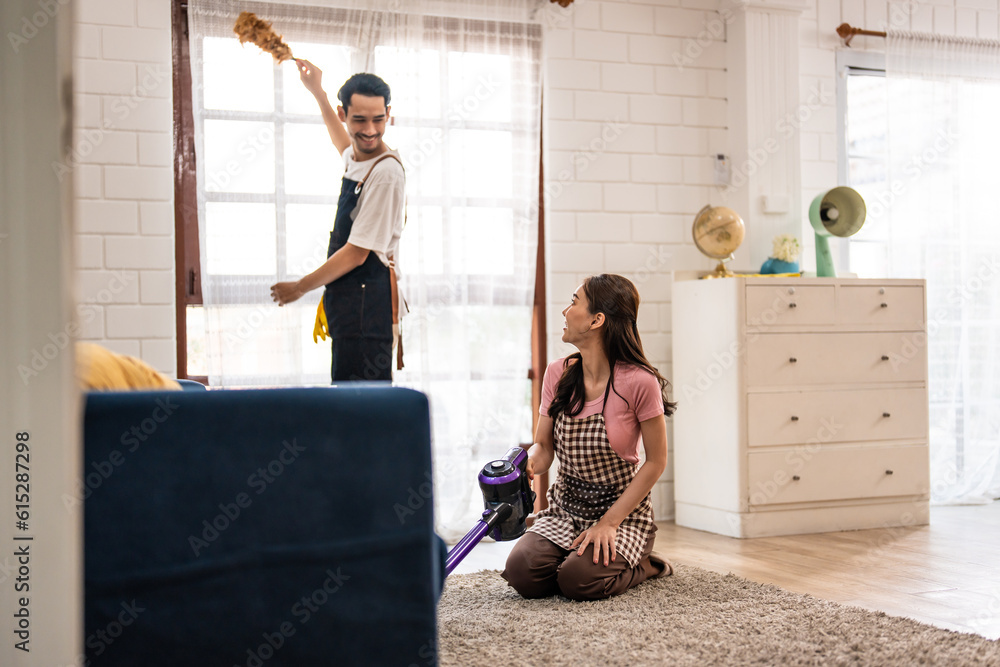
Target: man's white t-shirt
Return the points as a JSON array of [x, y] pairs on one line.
[[378, 217]]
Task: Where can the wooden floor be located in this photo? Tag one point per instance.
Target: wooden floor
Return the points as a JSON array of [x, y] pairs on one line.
[[946, 574]]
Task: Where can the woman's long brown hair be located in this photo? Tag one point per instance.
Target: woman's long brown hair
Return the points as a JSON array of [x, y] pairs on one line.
[[618, 299]]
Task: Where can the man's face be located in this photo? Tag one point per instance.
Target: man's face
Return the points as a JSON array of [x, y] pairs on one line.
[[365, 118]]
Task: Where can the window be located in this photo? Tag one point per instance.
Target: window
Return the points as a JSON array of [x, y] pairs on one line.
[[862, 129], [270, 177]]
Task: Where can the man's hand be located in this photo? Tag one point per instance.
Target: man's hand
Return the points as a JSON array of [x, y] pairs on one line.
[[283, 293], [311, 76]]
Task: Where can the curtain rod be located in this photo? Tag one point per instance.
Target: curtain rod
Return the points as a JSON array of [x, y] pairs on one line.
[[847, 33]]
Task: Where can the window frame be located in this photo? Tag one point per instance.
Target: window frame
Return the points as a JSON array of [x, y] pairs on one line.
[[187, 248]]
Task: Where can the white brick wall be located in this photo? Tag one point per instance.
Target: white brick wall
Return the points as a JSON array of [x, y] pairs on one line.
[[134, 44], [124, 185], [644, 128]]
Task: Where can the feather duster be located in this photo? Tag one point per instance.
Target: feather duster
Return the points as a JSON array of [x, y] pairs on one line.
[[249, 28]]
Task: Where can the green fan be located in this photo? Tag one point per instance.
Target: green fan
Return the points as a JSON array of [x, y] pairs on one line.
[[838, 212]]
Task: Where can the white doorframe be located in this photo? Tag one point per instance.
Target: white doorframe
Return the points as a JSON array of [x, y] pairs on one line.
[[41, 591]]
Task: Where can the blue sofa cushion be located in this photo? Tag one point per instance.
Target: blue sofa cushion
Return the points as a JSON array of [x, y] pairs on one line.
[[260, 527]]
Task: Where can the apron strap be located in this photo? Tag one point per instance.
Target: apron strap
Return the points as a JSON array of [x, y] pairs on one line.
[[357, 188], [607, 390]]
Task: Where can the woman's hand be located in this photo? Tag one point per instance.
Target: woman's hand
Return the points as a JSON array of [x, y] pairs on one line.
[[602, 534], [283, 293], [530, 469]]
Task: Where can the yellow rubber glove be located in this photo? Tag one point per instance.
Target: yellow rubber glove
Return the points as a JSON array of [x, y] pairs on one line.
[[320, 329]]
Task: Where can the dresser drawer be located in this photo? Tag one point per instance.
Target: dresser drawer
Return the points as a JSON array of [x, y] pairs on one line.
[[808, 475], [889, 305], [784, 304], [790, 418], [778, 359]]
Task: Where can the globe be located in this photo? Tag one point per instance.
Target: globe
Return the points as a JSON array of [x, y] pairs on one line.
[[718, 231]]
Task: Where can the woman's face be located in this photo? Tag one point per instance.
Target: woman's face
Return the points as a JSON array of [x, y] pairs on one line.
[[578, 317]]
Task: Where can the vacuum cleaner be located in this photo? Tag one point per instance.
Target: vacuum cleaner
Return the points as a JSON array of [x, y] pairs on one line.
[[508, 499]]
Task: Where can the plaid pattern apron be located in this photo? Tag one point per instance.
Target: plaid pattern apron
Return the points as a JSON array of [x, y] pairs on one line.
[[591, 478]]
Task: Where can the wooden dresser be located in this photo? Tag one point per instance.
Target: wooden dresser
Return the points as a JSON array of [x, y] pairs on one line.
[[802, 404]]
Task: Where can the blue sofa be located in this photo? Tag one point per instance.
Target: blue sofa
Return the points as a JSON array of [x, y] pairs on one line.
[[259, 527]]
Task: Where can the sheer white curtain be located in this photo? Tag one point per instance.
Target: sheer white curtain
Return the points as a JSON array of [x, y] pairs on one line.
[[466, 91], [943, 96]]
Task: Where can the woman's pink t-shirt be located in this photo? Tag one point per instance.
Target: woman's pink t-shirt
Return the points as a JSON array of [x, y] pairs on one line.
[[621, 419]]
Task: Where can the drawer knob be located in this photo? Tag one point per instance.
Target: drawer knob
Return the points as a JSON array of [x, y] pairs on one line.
[[795, 418], [886, 415], [888, 472], [885, 305], [792, 305], [885, 357], [881, 290], [795, 478], [792, 360], [791, 290]]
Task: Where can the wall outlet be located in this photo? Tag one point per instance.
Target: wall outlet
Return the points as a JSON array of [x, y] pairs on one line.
[[723, 174]]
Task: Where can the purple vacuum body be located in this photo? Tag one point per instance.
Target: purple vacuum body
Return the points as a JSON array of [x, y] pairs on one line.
[[508, 499]]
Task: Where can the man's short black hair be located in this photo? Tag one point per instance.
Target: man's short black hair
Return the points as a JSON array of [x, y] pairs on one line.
[[363, 84]]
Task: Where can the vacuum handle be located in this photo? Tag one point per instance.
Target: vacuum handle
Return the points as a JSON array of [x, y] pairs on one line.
[[518, 456]]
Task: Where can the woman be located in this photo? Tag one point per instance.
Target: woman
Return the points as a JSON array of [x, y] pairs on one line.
[[596, 537]]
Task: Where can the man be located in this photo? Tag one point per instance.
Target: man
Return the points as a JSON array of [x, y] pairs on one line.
[[360, 297]]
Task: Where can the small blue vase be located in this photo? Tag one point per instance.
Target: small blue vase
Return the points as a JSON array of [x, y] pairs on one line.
[[772, 265]]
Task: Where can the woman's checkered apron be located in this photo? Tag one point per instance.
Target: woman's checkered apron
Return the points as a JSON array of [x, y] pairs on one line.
[[591, 478]]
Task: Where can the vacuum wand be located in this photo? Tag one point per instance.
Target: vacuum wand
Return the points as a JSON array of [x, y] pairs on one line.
[[507, 498]]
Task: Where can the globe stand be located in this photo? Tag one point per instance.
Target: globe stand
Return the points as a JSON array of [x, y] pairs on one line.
[[721, 271]]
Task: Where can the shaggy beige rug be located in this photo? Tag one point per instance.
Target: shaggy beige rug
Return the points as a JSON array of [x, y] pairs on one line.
[[694, 617]]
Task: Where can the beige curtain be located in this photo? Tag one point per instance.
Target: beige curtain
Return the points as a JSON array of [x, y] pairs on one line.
[[942, 96]]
